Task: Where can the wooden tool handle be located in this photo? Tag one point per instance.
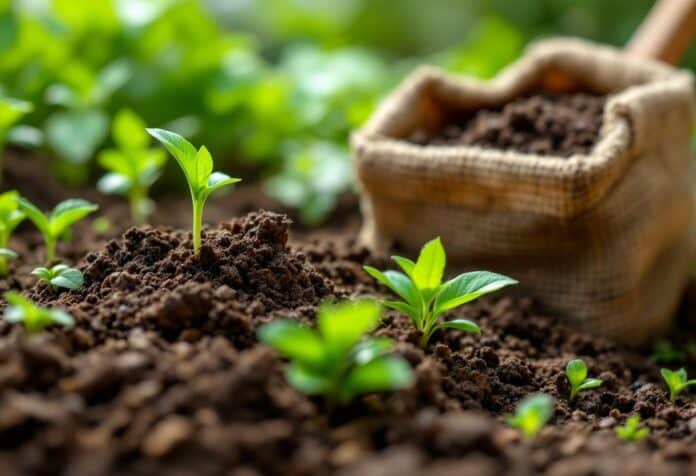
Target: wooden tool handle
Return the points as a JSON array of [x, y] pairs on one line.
[[667, 31]]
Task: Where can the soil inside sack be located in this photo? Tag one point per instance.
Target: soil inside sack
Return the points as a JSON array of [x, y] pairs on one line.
[[541, 124]]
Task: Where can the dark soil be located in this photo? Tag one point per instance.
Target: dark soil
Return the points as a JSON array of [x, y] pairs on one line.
[[542, 124], [163, 375]]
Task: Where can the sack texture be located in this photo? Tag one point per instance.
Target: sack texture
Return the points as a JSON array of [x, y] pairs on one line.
[[604, 239]]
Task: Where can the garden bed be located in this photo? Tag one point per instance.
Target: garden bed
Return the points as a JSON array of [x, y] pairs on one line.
[[163, 374]]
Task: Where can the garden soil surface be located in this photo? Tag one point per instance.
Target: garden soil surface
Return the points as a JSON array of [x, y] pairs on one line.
[[163, 375]]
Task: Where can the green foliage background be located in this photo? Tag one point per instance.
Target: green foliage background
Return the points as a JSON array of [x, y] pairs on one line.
[[271, 86]]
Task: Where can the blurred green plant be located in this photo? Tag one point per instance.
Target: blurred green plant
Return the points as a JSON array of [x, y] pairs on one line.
[[11, 111], [34, 318], [532, 414], [10, 218], [632, 430]]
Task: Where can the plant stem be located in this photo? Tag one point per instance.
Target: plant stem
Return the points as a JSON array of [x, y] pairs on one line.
[[136, 209], [3, 265], [50, 250], [197, 224]]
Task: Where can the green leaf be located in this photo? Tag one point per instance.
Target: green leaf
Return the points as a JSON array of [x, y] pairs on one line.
[[203, 168], [405, 264], [590, 383], [398, 282], [371, 349], [343, 325], [116, 161], [383, 374], [7, 253], [294, 341], [11, 111], [430, 266], [182, 151], [407, 309], [460, 324], [58, 316], [467, 287], [43, 273], [76, 135], [129, 131], [217, 180], [114, 184], [68, 212], [532, 414], [576, 370], [34, 214], [306, 381], [69, 278]]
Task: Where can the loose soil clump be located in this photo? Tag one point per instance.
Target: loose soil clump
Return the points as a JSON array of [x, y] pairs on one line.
[[541, 124]]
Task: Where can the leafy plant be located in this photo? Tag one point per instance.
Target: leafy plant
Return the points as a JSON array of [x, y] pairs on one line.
[[677, 381], [133, 167], [58, 222], [10, 218], [532, 414], [60, 276], [197, 166], [664, 352], [11, 111], [632, 430], [426, 298], [34, 318], [337, 361], [576, 371]]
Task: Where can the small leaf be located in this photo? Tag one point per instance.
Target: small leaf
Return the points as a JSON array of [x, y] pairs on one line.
[[294, 341], [43, 273], [61, 317], [114, 184], [182, 150], [217, 180], [371, 349], [69, 278], [67, 213], [76, 135], [430, 266], [34, 214], [305, 380], [467, 287], [405, 264], [460, 324], [576, 370], [343, 325], [129, 131], [590, 383], [7, 253], [406, 308], [398, 282], [203, 169], [384, 374]]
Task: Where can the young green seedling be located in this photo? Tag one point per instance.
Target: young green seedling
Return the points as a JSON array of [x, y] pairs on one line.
[[576, 371], [632, 430], [11, 111], [55, 224], [60, 276], [10, 218], [677, 381], [337, 361], [197, 166], [133, 167], [532, 414], [426, 297], [34, 318]]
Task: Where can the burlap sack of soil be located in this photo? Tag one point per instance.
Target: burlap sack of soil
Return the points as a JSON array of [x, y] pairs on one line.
[[604, 239]]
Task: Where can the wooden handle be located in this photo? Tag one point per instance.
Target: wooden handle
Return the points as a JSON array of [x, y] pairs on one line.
[[667, 31]]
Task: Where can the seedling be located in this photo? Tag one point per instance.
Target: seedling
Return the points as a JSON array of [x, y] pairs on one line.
[[532, 414], [677, 381], [133, 167], [632, 430], [54, 225], [34, 318], [60, 276], [10, 218], [426, 298], [336, 360], [665, 353], [11, 111], [197, 166], [576, 371]]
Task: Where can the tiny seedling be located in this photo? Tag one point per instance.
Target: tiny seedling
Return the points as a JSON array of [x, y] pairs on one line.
[[56, 224], [665, 353], [677, 381], [60, 276], [133, 167], [197, 166], [11, 111], [336, 360], [426, 298], [10, 217], [576, 371], [632, 430], [532, 414], [34, 318]]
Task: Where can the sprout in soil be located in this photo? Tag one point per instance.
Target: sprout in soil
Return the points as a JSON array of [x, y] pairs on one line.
[[426, 298], [60, 276], [197, 166], [664, 352], [532, 414], [677, 381], [576, 371], [56, 224], [11, 111], [632, 430], [33, 317], [133, 167], [10, 217], [337, 361]]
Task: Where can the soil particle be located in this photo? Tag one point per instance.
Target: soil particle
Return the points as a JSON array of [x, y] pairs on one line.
[[542, 124]]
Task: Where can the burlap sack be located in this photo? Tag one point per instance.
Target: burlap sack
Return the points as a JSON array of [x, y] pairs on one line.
[[604, 240]]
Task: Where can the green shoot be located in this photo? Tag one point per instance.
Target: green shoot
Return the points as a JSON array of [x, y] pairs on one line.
[[197, 166], [34, 318], [10, 217], [133, 167], [55, 224], [632, 430], [426, 298], [11, 111], [337, 361], [60, 276], [664, 352], [576, 371], [532, 414], [677, 381]]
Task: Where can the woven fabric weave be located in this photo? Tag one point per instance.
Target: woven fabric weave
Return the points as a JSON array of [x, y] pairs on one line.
[[603, 239]]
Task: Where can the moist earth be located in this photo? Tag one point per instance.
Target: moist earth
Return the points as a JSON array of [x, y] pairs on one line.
[[541, 124]]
